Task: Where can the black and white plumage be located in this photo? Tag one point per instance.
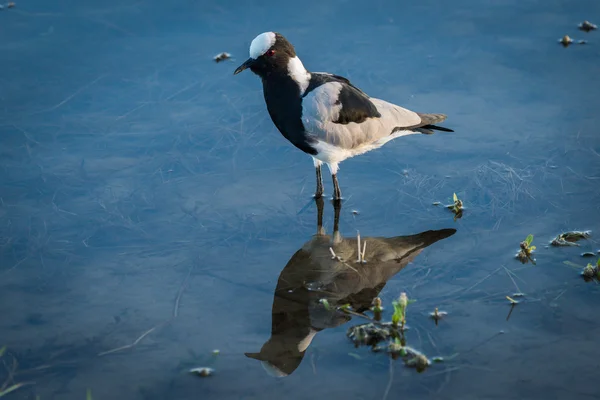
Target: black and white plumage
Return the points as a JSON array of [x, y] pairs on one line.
[[323, 114]]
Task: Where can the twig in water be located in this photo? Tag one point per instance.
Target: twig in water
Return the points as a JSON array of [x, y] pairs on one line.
[[132, 345], [363, 252], [149, 331], [509, 273], [492, 273], [358, 246], [333, 255], [68, 98], [181, 289]]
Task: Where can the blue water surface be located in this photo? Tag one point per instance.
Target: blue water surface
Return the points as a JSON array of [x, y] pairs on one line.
[[146, 194]]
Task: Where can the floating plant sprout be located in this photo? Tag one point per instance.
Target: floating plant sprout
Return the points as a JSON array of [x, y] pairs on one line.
[[525, 254], [437, 315], [377, 309], [456, 206], [399, 316]]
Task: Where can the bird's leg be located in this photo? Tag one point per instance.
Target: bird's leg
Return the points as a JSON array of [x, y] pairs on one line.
[[337, 193], [320, 207], [319, 191]]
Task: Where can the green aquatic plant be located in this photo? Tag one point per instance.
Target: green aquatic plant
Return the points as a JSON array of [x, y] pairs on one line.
[[525, 253], [456, 206], [591, 271], [377, 309], [400, 305]]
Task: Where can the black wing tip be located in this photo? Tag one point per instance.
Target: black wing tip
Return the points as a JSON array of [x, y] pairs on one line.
[[440, 128], [429, 129]]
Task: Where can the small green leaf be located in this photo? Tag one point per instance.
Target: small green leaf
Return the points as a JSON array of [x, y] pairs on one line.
[[2, 350], [437, 359], [455, 198], [598, 263], [532, 248], [325, 304], [529, 239]]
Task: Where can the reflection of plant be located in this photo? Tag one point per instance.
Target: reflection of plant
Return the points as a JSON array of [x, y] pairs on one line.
[[525, 254]]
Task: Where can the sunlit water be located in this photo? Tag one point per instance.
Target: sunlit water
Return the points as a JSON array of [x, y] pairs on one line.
[[144, 188]]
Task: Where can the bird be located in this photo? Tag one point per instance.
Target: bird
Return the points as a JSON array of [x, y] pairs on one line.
[[323, 114], [312, 274]]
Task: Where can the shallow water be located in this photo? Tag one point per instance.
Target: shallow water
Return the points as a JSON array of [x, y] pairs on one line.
[[144, 186]]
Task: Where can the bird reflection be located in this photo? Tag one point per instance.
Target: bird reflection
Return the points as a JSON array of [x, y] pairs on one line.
[[316, 272]]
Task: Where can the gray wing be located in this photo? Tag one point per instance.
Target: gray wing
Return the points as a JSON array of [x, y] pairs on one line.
[[339, 114]]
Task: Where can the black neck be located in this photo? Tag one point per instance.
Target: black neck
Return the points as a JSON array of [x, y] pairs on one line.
[[284, 103]]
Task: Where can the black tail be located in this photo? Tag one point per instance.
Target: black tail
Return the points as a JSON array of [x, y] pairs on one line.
[[429, 121]]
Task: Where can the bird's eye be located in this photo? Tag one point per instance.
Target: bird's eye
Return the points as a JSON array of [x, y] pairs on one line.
[[270, 53]]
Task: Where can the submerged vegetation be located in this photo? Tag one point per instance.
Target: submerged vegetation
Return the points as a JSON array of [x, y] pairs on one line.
[[9, 385], [570, 238], [389, 336], [591, 272]]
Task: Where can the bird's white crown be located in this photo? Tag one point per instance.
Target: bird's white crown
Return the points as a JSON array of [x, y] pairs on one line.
[[261, 44]]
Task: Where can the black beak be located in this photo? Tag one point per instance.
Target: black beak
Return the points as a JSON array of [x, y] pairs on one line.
[[247, 64]]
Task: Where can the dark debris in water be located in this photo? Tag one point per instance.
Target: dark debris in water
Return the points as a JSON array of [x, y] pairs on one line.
[[371, 334], [202, 371], [222, 57], [384, 337], [570, 238], [587, 26], [566, 41]]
